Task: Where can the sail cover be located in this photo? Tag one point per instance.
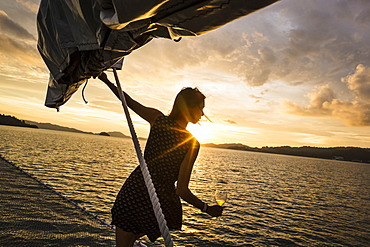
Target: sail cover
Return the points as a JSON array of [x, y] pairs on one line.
[[78, 39]]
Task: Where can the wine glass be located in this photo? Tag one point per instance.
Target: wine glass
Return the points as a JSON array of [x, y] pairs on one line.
[[220, 198]]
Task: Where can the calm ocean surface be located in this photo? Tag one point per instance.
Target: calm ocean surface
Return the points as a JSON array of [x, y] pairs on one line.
[[274, 200]]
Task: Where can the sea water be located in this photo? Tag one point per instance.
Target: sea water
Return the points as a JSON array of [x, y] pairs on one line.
[[273, 200]]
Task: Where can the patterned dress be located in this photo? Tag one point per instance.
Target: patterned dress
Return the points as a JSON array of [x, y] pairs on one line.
[[165, 150]]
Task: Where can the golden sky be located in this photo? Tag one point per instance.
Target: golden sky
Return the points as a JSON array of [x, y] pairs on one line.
[[296, 73]]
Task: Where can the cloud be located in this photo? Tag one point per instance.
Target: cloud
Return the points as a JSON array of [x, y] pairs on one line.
[[352, 113], [33, 7], [317, 102], [324, 102], [359, 83], [363, 18], [17, 52], [105, 104], [229, 121], [312, 42], [323, 38], [8, 26]]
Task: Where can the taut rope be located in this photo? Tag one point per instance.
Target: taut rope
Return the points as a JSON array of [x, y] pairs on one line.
[[144, 169]]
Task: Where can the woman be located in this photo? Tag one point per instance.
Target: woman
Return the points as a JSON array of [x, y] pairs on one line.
[[170, 154]]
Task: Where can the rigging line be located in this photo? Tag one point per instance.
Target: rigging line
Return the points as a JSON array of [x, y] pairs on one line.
[[83, 92], [144, 169]]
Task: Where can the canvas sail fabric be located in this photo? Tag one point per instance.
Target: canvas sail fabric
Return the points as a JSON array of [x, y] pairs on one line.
[[79, 39]]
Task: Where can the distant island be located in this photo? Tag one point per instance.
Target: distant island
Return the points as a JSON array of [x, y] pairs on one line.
[[355, 154], [13, 121], [104, 134], [55, 127]]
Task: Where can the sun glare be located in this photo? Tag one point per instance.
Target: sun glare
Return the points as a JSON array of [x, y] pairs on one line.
[[200, 132]]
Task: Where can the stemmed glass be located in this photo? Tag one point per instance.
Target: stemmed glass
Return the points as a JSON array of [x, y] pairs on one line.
[[220, 198]]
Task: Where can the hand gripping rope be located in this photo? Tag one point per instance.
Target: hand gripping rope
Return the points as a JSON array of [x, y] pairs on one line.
[[144, 169]]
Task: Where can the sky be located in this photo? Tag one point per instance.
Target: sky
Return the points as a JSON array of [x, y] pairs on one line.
[[296, 73]]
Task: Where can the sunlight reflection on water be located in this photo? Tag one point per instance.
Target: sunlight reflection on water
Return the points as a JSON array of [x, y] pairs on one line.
[[274, 200]]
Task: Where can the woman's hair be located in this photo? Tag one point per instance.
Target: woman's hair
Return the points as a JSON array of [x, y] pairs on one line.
[[187, 98]]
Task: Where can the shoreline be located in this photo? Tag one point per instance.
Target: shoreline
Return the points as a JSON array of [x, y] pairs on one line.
[[348, 154]]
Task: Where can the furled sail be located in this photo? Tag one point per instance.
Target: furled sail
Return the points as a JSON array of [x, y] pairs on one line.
[[79, 39]]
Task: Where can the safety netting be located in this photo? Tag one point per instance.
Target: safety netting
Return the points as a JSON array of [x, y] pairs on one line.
[[33, 215]]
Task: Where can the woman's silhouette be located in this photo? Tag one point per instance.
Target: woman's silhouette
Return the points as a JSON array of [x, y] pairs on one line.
[[170, 154]]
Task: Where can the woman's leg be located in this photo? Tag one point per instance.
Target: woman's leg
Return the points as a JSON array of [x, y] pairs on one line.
[[126, 239]]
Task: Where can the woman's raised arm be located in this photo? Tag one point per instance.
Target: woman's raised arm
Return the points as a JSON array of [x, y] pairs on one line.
[[147, 113]]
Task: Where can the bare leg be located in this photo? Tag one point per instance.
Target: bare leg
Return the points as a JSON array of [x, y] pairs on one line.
[[126, 239]]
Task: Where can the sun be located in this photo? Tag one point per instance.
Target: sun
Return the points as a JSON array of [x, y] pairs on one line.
[[201, 132]]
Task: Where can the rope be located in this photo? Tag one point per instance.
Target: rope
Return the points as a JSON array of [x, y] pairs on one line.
[[144, 169], [83, 93]]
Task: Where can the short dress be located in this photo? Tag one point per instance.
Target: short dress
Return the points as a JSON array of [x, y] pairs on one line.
[[165, 150]]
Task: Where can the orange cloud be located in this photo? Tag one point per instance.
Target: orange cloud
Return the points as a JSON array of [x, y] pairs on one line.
[[317, 106], [17, 52], [325, 104], [352, 113], [359, 83]]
